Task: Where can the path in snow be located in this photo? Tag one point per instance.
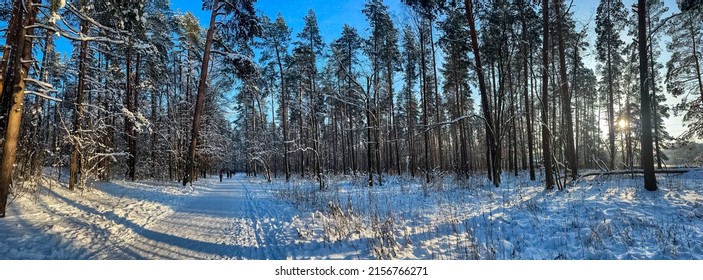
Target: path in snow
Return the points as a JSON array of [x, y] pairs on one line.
[[228, 220]]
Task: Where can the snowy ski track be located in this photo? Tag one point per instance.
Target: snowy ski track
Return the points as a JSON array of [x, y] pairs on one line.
[[227, 220]]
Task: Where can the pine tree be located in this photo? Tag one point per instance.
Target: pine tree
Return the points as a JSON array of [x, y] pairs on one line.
[[408, 107], [493, 161], [309, 47], [274, 40], [241, 24], [565, 94], [610, 19], [345, 51], [685, 67], [660, 110], [529, 34], [456, 82], [78, 114], [650, 180], [15, 72], [382, 49], [546, 134]]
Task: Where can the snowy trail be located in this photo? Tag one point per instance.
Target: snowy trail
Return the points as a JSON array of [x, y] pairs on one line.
[[228, 220], [248, 218]]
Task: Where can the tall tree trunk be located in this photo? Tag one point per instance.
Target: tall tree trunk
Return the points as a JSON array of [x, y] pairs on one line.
[[488, 118], [135, 110], [650, 180], [461, 134], [423, 86], [284, 111], [514, 135], [377, 133], [22, 59], [438, 128], [577, 105], [546, 149], [301, 136], [129, 104], [335, 138], [655, 104], [152, 140], [394, 126], [565, 96], [369, 140], [78, 116], [411, 133], [611, 113], [200, 101], [528, 104], [14, 29]]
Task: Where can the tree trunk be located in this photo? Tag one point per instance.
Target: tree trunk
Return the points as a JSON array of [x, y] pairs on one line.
[[129, 104], [200, 101], [369, 140], [411, 133], [284, 112], [565, 96], [528, 104], [9, 53], [301, 136], [423, 86], [650, 180], [394, 124], [22, 59], [488, 119], [512, 145], [438, 128], [135, 110], [611, 113], [78, 117], [546, 149]]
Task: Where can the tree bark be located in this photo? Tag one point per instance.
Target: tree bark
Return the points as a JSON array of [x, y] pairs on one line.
[[22, 61], [425, 98], [565, 96], [200, 100], [611, 113], [546, 149], [488, 118], [284, 112], [438, 128], [528, 104], [650, 180], [13, 30], [78, 117], [655, 105]]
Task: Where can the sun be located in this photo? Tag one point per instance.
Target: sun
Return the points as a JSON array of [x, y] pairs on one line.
[[622, 123]]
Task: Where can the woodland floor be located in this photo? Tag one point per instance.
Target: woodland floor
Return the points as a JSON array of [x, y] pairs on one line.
[[249, 218]]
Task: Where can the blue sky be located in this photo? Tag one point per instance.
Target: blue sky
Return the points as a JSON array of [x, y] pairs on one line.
[[331, 14]]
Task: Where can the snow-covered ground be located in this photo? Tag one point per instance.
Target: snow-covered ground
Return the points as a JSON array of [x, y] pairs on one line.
[[248, 218]]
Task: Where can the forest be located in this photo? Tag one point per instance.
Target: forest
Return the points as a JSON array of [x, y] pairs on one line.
[[95, 91]]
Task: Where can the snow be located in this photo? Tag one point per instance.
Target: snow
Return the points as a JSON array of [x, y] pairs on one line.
[[248, 218]]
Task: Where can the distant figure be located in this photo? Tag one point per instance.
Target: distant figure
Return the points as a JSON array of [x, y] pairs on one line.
[[220, 176]]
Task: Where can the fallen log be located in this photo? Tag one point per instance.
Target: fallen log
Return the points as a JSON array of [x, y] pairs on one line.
[[626, 172], [636, 171]]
